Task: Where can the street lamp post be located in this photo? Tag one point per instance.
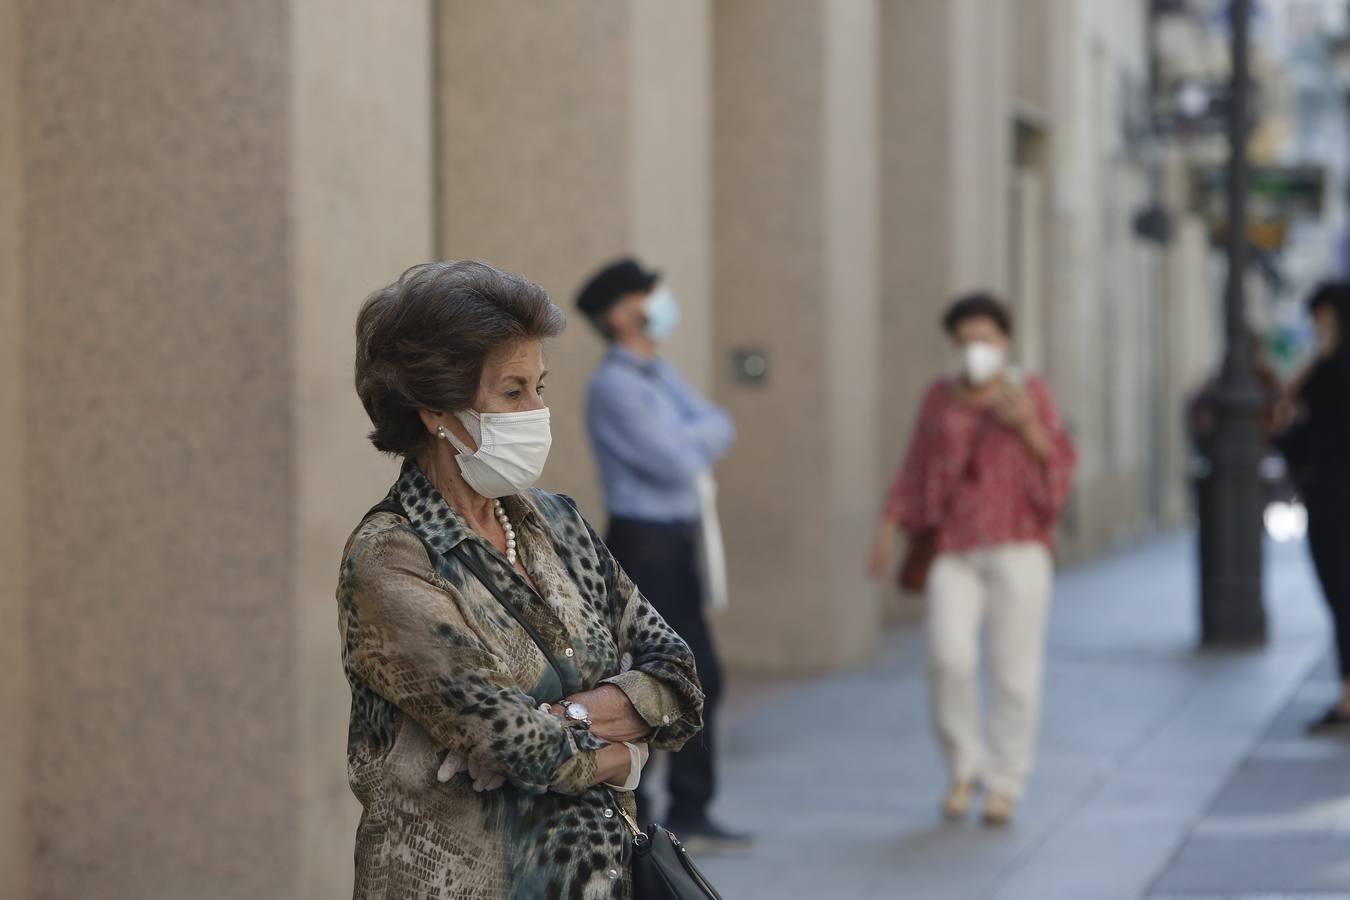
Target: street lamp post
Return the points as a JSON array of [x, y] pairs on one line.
[[1231, 608]]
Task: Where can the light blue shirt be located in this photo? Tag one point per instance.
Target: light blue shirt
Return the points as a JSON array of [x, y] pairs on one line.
[[653, 434]]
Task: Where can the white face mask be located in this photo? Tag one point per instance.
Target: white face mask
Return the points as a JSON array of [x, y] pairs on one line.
[[982, 361], [662, 312], [512, 450]]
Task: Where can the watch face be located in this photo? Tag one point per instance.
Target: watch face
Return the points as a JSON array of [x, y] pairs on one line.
[[577, 712]]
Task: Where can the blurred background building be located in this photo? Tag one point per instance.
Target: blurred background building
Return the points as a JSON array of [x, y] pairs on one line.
[[195, 198]]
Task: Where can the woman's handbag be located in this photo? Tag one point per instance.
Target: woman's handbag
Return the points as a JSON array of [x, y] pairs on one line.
[[662, 867], [918, 562], [923, 545]]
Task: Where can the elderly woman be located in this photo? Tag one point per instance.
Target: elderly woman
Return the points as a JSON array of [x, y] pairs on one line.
[[506, 676]]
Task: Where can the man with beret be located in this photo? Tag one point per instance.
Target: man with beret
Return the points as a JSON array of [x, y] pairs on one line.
[[655, 437]]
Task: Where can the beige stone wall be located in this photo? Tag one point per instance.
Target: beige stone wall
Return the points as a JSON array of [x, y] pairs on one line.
[[533, 165], [362, 208], [670, 166], [1108, 287], [572, 133], [159, 536], [795, 275], [769, 273], [850, 306], [946, 124], [916, 186], [1032, 30], [14, 737], [977, 78]]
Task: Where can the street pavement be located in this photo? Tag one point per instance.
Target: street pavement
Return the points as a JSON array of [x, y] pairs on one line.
[[1164, 772]]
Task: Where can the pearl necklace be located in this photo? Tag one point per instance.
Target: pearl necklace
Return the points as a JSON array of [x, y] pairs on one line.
[[510, 532]]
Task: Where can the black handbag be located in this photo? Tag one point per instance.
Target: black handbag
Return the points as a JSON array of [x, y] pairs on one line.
[[662, 867]]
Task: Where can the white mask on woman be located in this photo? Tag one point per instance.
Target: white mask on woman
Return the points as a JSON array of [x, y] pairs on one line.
[[512, 450], [982, 361]]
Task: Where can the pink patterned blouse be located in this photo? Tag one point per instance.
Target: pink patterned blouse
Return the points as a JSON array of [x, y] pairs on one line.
[[975, 480]]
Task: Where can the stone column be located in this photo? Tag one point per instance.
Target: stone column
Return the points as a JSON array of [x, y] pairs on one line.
[[208, 192], [363, 210], [946, 121], [14, 831], [795, 275], [158, 531], [572, 132], [979, 79]]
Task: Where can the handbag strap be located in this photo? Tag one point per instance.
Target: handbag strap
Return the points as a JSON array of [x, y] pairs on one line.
[[461, 552]]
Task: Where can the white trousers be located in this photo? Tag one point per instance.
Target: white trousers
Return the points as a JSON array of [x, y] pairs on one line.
[[1008, 588]]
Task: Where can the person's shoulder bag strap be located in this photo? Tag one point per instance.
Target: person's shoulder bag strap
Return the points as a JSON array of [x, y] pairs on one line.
[[466, 560]]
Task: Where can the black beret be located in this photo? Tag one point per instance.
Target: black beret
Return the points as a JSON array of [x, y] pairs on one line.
[[619, 278]]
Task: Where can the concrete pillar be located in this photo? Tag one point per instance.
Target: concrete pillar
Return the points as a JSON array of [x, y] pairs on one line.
[[207, 194], [917, 181], [571, 133], [156, 275], [14, 831], [946, 122], [363, 209], [670, 165], [795, 180], [979, 91]]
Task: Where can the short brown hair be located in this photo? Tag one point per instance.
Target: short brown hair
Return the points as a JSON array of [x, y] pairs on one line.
[[422, 341], [978, 305]]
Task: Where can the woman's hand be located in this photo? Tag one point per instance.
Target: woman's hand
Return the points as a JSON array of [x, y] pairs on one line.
[[1285, 413], [1016, 410], [613, 764], [483, 778], [882, 559], [613, 717], [1013, 406]]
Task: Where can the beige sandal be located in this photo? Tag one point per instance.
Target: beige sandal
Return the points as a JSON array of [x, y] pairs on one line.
[[998, 810], [957, 802]]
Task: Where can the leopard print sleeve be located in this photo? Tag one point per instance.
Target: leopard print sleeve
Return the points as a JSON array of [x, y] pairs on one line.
[[660, 679], [405, 637]]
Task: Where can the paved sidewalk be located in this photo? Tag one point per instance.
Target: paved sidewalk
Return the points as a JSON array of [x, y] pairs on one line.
[[1281, 825], [839, 778]]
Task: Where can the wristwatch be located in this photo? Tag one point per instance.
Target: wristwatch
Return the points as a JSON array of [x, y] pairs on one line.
[[575, 712]]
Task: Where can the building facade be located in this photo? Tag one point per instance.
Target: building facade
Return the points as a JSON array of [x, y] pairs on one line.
[[194, 200]]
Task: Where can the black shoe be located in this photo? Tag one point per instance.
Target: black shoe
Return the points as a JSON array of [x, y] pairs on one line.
[[1336, 718], [706, 836]]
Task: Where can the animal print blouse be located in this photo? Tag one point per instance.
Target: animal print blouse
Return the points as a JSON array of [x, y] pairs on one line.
[[436, 663]]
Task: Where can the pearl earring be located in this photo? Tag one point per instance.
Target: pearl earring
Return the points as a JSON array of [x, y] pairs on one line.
[[440, 430]]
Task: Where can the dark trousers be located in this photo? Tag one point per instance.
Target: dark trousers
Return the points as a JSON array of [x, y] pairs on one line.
[[662, 560], [1329, 542]]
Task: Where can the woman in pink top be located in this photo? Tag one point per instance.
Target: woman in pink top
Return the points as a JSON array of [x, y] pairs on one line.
[[988, 470]]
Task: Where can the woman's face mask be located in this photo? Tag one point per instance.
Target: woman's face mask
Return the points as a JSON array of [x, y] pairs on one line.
[[512, 450], [509, 444], [982, 361]]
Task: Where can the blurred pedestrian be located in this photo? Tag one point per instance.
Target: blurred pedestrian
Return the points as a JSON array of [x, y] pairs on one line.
[[983, 483], [1317, 447], [493, 732], [654, 438]]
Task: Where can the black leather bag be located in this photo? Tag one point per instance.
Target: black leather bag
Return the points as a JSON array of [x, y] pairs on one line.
[[663, 868]]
